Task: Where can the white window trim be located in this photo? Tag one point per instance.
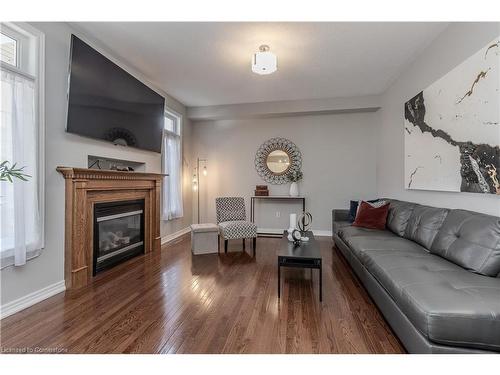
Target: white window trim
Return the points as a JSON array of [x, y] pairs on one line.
[[177, 117], [173, 114], [13, 69], [26, 29]]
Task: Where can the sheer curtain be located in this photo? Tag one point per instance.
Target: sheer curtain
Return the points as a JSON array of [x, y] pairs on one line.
[[20, 227], [172, 188]]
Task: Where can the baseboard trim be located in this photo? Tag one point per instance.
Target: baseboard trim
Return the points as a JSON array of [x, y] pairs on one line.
[[31, 299], [322, 233], [170, 237], [319, 233], [270, 230]]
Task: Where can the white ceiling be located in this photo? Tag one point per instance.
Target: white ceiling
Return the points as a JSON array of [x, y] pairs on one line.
[[209, 63]]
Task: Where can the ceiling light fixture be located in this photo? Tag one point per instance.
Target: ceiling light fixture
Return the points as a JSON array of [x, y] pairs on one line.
[[264, 62]]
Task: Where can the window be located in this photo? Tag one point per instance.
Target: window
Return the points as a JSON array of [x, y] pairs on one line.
[[172, 165], [8, 49], [21, 142]]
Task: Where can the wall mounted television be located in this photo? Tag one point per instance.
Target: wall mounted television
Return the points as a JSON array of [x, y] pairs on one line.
[[106, 102]]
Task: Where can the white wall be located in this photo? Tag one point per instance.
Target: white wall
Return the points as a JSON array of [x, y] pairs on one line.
[[338, 154], [449, 49], [63, 149]]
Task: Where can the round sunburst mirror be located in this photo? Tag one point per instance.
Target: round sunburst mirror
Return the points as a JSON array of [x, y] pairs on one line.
[[276, 158]]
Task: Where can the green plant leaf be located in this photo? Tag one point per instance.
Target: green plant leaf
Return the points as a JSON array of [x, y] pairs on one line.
[[6, 173]]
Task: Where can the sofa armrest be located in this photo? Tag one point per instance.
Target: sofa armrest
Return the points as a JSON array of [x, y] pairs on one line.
[[340, 215], [340, 219]]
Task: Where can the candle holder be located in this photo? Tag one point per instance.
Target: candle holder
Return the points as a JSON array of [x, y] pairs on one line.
[[293, 223]]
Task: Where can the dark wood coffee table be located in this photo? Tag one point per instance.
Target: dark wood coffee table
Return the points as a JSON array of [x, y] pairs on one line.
[[305, 255]]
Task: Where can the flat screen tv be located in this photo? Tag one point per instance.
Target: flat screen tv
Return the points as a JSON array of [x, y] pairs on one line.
[[106, 102]]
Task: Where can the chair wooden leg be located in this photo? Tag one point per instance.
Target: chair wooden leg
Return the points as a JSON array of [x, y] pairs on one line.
[[218, 244], [225, 246], [254, 245], [243, 244]]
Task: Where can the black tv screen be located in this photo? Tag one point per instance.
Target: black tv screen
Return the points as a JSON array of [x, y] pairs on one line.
[[106, 102]]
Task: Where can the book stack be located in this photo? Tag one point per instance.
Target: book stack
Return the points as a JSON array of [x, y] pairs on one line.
[[261, 191]]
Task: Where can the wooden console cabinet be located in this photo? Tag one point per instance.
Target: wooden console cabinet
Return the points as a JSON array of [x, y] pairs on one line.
[[84, 188]]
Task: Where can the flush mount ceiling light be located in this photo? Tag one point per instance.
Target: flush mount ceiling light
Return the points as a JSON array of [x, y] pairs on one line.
[[264, 62]]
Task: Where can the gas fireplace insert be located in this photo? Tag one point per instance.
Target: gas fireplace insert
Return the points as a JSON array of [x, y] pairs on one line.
[[118, 232]]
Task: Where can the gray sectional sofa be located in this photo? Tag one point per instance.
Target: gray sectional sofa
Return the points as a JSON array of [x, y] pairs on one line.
[[434, 273]]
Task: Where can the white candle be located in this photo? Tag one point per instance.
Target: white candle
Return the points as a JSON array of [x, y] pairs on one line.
[[293, 221]]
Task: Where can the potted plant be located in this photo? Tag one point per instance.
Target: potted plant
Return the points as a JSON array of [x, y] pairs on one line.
[[294, 177]]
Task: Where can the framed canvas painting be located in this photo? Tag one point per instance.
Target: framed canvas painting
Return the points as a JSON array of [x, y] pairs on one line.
[[452, 131]]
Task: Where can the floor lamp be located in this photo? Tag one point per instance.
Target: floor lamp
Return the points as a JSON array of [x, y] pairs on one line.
[[196, 180]]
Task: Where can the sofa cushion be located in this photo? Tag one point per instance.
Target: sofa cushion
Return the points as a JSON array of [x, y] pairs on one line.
[[446, 303], [347, 232], [361, 246], [398, 216], [424, 223], [471, 240]]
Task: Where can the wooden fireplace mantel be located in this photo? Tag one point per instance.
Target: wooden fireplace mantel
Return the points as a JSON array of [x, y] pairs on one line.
[[86, 187]]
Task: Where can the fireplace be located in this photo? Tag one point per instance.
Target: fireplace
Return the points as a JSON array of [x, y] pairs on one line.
[[86, 189], [118, 232]]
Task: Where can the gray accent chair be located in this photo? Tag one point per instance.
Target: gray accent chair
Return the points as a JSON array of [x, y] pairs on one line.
[[231, 218], [434, 273]]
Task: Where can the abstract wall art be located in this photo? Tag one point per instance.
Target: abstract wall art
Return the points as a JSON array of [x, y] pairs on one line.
[[452, 130]]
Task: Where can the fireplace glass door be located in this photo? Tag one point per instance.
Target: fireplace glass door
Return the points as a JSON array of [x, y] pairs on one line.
[[118, 232]]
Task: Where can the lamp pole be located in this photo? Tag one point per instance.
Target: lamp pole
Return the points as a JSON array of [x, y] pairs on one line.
[[198, 160]]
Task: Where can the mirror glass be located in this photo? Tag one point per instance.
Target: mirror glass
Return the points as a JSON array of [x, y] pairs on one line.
[[278, 161]]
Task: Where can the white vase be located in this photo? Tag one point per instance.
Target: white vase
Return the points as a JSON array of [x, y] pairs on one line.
[[294, 189]]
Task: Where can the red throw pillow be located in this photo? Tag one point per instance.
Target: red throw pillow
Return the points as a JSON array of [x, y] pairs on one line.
[[371, 217]]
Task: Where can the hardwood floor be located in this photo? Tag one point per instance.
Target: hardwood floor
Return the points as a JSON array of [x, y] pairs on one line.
[[173, 302]]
